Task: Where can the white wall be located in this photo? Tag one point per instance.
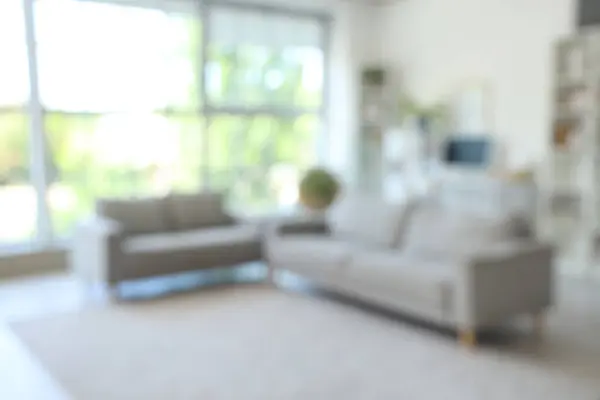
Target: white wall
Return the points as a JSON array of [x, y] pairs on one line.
[[438, 44]]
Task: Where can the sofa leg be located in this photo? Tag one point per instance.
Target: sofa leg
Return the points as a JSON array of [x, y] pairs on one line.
[[467, 338], [539, 324]]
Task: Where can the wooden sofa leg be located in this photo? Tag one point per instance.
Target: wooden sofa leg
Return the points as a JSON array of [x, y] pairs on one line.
[[467, 338]]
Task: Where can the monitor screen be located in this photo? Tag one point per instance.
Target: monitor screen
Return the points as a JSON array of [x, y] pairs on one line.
[[471, 152]]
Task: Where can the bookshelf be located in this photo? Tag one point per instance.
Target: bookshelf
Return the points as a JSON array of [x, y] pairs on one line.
[[569, 183]]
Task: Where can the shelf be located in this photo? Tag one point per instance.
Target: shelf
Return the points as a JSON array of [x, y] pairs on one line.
[[570, 187], [568, 85], [565, 155], [562, 191], [564, 150], [570, 117]]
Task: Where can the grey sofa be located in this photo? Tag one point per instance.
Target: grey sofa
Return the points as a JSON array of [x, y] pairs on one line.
[[137, 238], [457, 269]]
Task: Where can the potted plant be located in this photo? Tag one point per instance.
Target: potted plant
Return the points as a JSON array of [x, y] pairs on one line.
[[430, 122], [318, 189], [373, 76], [426, 116]]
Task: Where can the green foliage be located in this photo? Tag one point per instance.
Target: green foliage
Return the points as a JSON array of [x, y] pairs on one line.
[[14, 148], [318, 188], [408, 107], [373, 76]]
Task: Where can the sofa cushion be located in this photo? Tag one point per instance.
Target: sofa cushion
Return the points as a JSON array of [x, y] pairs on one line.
[[140, 215], [418, 279], [437, 230], [306, 249], [193, 239], [367, 219], [191, 211]]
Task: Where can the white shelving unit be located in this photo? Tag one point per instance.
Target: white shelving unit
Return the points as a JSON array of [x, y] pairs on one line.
[[569, 183], [376, 103]]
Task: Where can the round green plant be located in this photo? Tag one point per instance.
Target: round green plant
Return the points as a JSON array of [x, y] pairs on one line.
[[318, 189]]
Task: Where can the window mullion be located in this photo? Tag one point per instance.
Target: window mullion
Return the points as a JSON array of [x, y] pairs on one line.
[[323, 141], [205, 20], [276, 111], [38, 156]]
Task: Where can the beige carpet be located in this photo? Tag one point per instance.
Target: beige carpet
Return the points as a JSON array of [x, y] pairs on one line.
[[258, 343]]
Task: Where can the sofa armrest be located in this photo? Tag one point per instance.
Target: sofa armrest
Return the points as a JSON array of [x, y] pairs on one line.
[[504, 281], [96, 253]]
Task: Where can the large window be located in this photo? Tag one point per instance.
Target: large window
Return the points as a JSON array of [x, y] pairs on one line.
[[264, 93], [130, 99]]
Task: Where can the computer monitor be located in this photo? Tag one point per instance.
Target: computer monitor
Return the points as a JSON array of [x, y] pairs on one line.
[[466, 151]]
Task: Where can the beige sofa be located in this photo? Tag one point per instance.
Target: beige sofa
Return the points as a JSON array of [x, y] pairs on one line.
[[130, 239], [452, 268]]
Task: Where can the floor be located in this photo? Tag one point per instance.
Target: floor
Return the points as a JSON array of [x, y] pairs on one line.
[[22, 377]]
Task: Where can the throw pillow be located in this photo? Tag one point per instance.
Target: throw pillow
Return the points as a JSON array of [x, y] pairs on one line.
[[368, 219]]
